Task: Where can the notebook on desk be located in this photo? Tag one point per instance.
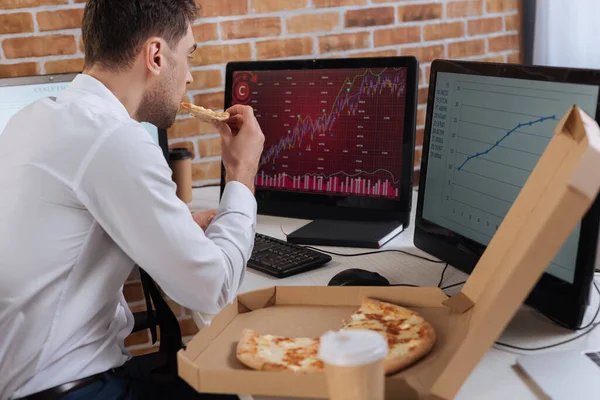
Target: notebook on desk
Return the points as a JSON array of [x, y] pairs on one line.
[[566, 374]]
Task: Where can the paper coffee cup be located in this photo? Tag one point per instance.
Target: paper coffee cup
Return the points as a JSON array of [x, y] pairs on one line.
[[354, 364], [181, 165]]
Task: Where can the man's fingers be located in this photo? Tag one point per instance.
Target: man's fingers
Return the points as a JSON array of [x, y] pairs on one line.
[[235, 122], [223, 128], [239, 109]]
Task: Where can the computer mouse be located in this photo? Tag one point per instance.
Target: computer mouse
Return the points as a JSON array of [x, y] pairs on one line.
[[358, 277]]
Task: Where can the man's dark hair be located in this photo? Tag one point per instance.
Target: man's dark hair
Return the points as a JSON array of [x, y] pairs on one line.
[[113, 31]]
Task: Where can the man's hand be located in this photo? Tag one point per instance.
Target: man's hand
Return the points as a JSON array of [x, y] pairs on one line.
[[242, 143], [204, 218]]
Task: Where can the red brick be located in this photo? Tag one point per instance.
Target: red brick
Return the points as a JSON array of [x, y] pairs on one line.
[[280, 48], [206, 79], [175, 307], [418, 156], [424, 54], [365, 17], [502, 43], [62, 19], [22, 69], [380, 53], [493, 59], [494, 6], [416, 177], [513, 22], [213, 100], [16, 23], [218, 54], [133, 292], [209, 147], [186, 145], [422, 96], [394, 36], [484, 25], [421, 114], [206, 170], [205, 32], [39, 46], [219, 8], [466, 49], [188, 327], [343, 42], [62, 66], [514, 58], [420, 12], [267, 6], [337, 3], [248, 28], [443, 30], [459, 9], [137, 338], [419, 135], [305, 23], [189, 127], [11, 4]]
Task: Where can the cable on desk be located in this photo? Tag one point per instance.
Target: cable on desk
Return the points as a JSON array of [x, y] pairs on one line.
[[376, 252], [454, 285], [442, 277], [592, 325]]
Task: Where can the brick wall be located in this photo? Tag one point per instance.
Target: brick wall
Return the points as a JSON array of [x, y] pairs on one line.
[[43, 36]]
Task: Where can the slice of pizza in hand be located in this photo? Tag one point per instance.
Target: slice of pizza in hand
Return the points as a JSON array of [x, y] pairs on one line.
[[409, 336], [205, 114], [278, 353]]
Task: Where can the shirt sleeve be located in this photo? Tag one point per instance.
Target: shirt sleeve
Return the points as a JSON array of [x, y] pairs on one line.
[[126, 185]]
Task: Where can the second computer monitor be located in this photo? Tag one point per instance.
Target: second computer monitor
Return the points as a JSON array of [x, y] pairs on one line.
[[339, 135]]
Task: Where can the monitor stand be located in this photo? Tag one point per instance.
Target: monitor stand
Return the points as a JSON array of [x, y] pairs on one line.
[[365, 234]]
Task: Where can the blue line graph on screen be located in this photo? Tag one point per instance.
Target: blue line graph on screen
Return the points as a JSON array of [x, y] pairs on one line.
[[521, 125]]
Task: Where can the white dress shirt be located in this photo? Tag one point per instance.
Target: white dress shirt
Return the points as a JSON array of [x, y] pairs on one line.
[[85, 193]]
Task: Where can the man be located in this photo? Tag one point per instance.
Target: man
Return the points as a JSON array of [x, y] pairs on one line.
[[86, 195]]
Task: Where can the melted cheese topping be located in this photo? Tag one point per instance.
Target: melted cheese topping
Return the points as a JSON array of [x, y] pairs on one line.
[[296, 354]]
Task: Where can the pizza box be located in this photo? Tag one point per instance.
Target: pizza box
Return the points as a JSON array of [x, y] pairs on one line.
[[557, 194]]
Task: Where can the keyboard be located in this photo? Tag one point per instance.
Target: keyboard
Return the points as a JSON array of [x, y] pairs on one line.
[[280, 259]]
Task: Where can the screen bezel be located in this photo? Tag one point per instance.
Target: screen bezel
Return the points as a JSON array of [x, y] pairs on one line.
[[163, 139], [323, 206], [558, 299]]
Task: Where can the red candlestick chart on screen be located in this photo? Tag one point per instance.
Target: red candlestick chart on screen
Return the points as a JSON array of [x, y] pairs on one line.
[[328, 131]]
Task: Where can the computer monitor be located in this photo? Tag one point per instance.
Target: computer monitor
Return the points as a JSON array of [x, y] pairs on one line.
[[16, 93], [486, 127], [339, 135]]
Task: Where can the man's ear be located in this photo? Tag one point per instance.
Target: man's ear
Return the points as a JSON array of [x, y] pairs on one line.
[[153, 54]]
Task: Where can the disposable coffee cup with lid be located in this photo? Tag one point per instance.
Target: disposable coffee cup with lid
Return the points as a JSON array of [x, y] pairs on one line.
[[354, 364]]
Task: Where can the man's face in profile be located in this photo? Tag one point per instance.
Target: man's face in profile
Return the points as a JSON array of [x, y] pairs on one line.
[[160, 103]]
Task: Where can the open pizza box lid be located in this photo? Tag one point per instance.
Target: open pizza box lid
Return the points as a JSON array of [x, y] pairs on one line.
[[558, 193]]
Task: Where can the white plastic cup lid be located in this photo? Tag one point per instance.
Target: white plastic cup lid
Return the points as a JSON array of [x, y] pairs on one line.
[[352, 347]]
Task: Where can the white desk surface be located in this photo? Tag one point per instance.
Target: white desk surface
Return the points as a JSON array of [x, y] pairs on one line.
[[494, 377]]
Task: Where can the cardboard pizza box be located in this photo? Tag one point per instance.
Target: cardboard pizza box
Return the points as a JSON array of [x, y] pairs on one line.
[[557, 194]]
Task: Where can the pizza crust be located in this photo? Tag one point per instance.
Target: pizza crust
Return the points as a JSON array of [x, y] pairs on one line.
[[206, 114], [246, 350]]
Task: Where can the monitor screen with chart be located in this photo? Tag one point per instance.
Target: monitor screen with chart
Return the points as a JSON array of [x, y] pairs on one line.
[[487, 127], [329, 131], [334, 129]]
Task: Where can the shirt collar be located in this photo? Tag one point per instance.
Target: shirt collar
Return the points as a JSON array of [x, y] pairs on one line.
[[88, 89]]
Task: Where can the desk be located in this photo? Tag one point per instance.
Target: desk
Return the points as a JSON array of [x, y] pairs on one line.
[[494, 377]]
